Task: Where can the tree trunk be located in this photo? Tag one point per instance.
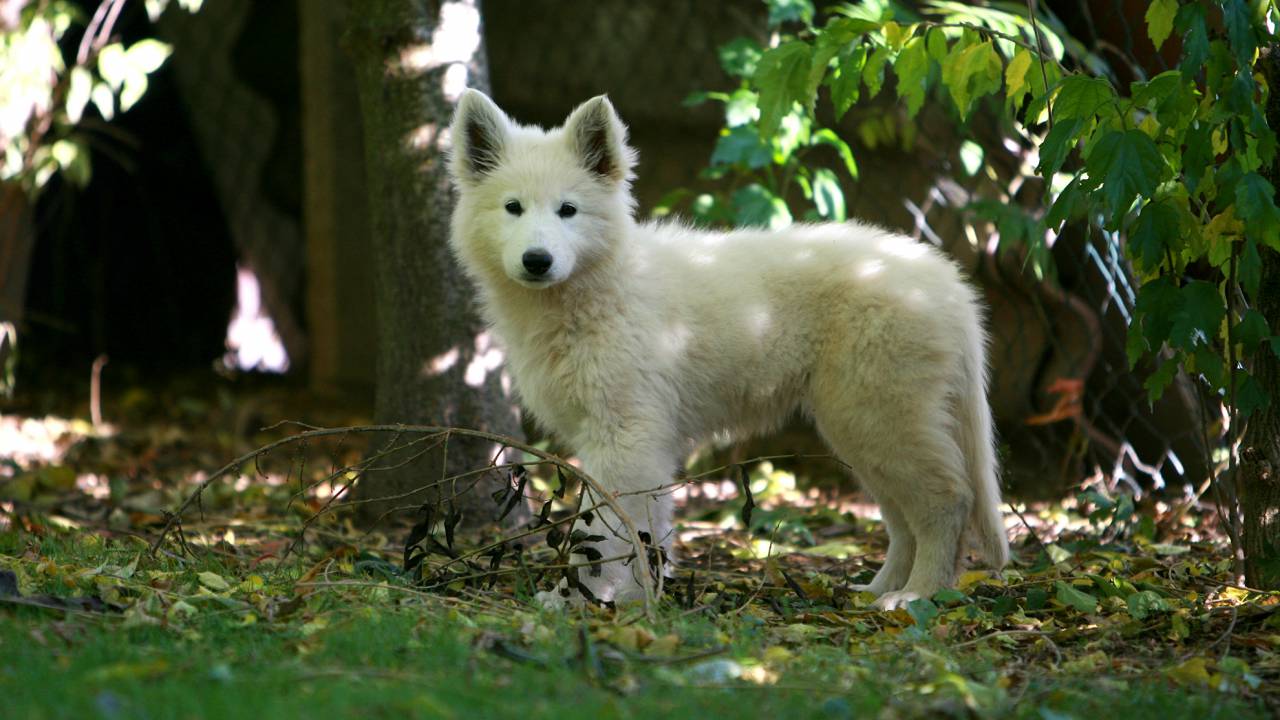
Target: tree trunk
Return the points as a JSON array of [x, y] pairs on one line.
[[1260, 471], [435, 363], [341, 331], [17, 237]]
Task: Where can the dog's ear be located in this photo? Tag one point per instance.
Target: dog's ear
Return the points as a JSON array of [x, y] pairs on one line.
[[599, 139], [479, 133]]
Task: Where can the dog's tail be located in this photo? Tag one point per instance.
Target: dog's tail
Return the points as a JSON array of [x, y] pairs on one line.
[[986, 523]]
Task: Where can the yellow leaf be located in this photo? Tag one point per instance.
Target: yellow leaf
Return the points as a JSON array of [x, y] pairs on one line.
[[1015, 75], [1191, 672], [893, 35], [971, 578], [1219, 137], [776, 655]]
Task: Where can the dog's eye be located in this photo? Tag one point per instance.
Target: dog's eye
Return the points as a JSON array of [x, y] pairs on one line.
[[566, 210], [513, 207]]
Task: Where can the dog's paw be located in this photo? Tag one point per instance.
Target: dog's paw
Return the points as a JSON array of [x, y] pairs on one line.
[[870, 587], [896, 599]]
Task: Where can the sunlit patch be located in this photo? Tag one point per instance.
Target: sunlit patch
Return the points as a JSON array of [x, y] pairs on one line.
[[759, 321], [441, 363], [422, 137], [870, 268], [252, 340], [29, 441], [486, 359], [455, 39], [454, 82], [903, 248], [675, 340], [94, 485]]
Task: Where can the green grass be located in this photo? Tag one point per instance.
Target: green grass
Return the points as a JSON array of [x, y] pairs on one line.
[[371, 652]]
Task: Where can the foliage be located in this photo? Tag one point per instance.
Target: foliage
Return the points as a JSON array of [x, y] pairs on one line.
[[47, 84], [1108, 608], [1178, 164]]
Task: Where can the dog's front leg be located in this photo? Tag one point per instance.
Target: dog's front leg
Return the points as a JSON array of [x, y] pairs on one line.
[[639, 483]]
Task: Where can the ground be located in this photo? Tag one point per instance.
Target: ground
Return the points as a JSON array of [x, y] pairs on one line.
[[1107, 608]]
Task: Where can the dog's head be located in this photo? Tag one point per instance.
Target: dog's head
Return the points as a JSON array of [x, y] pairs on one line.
[[536, 204]]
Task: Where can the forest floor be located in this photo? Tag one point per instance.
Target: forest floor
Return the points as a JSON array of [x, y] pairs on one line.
[[1106, 609]]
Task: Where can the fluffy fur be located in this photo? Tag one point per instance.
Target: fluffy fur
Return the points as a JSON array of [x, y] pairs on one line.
[[643, 338]]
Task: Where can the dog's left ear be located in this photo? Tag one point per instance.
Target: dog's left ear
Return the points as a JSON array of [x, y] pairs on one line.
[[599, 139]]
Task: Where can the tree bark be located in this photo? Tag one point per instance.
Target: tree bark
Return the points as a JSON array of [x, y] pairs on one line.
[[342, 336], [435, 361], [1260, 469], [17, 237]]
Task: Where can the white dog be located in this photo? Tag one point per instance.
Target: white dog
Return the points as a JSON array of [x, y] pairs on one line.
[[630, 341]]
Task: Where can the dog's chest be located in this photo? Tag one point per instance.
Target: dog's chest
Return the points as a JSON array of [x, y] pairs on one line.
[[569, 380]]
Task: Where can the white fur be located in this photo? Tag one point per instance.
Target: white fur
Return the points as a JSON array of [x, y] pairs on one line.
[[647, 337]]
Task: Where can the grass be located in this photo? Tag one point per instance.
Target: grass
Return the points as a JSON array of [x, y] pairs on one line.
[[258, 649]]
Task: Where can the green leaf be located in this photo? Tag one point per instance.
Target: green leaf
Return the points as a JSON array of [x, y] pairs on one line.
[[923, 611], [1195, 41], [1129, 165], [1157, 230], [973, 73], [741, 108], [1250, 268], [844, 30], [781, 77], [214, 581], [873, 71], [781, 11], [112, 66], [1158, 300], [78, 90], [1082, 96], [1199, 315], [912, 68], [846, 82], [1057, 145], [1198, 153], [742, 146], [1240, 31], [1171, 93], [740, 56], [1249, 394], [1144, 603], [1068, 595], [1256, 206], [828, 198], [146, 56], [1209, 364], [755, 206], [1251, 330], [1069, 204], [826, 136], [1158, 381], [1160, 20]]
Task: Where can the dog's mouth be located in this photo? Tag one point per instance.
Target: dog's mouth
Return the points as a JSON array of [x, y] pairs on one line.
[[535, 281]]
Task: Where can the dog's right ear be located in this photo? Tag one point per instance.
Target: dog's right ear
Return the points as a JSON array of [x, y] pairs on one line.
[[479, 134]]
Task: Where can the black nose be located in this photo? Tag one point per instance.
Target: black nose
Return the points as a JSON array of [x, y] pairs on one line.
[[537, 262]]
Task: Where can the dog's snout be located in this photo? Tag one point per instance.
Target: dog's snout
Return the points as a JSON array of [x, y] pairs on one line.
[[536, 261]]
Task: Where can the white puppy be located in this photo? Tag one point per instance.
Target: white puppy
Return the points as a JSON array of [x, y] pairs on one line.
[[630, 341]]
